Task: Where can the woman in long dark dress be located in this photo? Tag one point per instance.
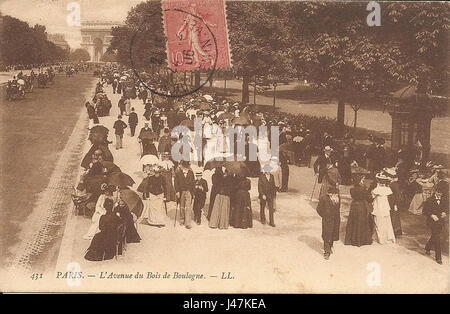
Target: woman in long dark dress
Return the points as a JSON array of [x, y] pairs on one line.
[[220, 214], [358, 231], [124, 213], [103, 245], [216, 181], [242, 210]]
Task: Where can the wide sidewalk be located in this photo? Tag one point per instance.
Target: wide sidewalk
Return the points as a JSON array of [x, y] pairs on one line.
[[285, 259]]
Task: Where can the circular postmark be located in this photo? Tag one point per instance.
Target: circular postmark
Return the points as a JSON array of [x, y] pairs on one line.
[[194, 49]]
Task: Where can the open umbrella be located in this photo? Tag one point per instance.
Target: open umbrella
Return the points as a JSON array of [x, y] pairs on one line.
[[213, 163], [226, 115], [188, 123], [120, 179], [237, 167], [97, 138], [149, 160], [99, 129], [110, 167], [133, 201]]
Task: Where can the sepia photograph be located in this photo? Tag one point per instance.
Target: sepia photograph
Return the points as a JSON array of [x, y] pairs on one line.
[[224, 147]]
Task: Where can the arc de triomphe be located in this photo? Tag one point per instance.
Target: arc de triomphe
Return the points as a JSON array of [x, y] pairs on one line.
[[96, 36]]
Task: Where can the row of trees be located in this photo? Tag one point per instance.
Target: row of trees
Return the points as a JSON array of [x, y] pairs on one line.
[[22, 44], [329, 44]]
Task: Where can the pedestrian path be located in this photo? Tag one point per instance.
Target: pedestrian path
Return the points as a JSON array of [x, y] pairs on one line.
[[287, 258]]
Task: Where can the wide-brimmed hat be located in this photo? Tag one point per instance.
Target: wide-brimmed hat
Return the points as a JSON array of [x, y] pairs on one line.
[[390, 172], [382, 176], [327, 149], [198, 173]]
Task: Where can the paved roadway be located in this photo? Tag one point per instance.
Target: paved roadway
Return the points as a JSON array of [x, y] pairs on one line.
[[33, 132]]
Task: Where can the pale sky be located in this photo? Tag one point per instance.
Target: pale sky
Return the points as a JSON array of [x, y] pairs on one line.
[[53, 14]]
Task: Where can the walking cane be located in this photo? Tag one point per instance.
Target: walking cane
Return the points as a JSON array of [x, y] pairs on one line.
[[176, 211], [314, 188], [165, 206]]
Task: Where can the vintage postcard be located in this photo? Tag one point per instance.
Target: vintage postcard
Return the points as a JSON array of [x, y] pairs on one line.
[[216, 146]]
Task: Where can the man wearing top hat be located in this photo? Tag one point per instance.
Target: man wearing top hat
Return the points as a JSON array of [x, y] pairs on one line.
[[320, 165], [329, 210], [132, 121]]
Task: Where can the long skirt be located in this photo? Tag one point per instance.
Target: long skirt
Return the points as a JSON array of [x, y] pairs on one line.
[[242, 212], [103, 247], [396, 223], [220, 215], [415, 207], [155, 210], [169, 190], [358, 231], [383, 228]]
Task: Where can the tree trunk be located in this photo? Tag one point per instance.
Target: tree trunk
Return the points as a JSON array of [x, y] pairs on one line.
[[254, 92], [340, 116], [356, 117], [211, 81], [274, 95], [245, 92], [197, 79]]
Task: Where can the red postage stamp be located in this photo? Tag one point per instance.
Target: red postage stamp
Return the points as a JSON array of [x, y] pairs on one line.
[[197, 35]]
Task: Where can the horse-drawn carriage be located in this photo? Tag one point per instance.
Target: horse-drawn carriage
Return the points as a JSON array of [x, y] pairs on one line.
[[70, 71], [14, 91], [42, 80], [29, 83]]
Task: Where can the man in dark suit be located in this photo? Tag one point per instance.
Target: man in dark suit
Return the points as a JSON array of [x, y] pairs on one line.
[[435, 209], [119, 126], [121, 104], [132, 121], [184, 185], [201, 188], [329, 209], [320, 165], [267, 193], [165, 142]]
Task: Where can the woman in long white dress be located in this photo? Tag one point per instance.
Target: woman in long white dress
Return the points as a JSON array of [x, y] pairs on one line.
[[152, 188], [382, 211], [99, 212]]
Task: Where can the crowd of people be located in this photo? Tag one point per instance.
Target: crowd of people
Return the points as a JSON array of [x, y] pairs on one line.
[[384, 184]]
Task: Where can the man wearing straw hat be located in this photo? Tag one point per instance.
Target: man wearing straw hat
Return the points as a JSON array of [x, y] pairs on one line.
[[201, 188]]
